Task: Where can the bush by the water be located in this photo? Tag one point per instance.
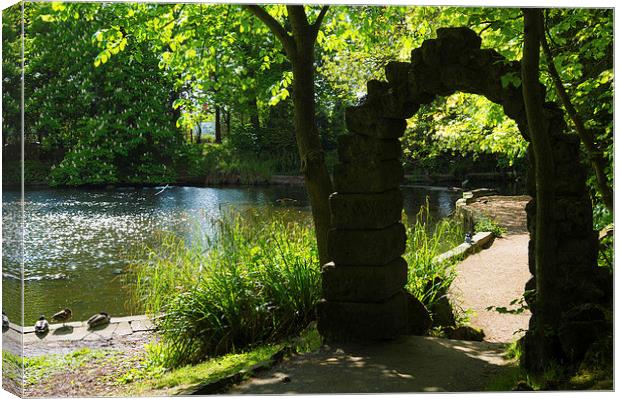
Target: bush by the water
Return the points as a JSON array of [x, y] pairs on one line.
[[257, 280]]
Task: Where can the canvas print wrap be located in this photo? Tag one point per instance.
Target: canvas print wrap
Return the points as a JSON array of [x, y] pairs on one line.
[[208, 198]]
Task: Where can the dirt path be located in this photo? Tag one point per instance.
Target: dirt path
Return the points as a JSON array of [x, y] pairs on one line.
[[496, 276]]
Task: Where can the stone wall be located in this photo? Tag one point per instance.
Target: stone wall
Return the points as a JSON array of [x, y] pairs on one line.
[[363, 295]]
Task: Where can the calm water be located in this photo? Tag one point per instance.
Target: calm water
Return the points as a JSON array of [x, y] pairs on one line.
[[78, 241]]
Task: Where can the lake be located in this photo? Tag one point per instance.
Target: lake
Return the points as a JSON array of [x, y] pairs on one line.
[[78, 241]]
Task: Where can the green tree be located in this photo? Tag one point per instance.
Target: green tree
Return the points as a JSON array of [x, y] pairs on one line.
[[120, 125]]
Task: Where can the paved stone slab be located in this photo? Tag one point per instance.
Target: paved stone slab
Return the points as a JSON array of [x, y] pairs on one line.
[[123, 328], [69, 324], [93, 336], [128, 318], [105, 332], [142, 325]]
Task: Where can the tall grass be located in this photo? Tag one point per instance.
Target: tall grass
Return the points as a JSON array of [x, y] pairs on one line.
[[257, 280], [254, 282], [426, 239]]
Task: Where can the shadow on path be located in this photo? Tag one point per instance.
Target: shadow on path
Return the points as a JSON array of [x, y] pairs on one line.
[[408, 364]]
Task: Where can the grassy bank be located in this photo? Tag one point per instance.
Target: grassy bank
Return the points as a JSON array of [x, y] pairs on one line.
[[254, 282], [257, 282]]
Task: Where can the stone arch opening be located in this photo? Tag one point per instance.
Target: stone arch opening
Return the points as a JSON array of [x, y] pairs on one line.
[[363, 287]]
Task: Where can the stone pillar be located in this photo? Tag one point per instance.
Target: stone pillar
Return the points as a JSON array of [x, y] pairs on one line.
[[578, 284], [363, 287]]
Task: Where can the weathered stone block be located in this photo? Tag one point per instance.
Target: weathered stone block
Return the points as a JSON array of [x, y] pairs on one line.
[[570, 179], [463, 79], [387, 102], [565, 152], [353, 147], [368, 177], [418, 318], [575, 254], [462, 36], [363, 283], [366, 247], [431, 52], [427, 79], [361, 321], [573, 216], [366, 211], [365, 120], [580, 327]]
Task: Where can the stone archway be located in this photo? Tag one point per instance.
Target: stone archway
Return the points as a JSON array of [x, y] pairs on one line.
[[363, 288]]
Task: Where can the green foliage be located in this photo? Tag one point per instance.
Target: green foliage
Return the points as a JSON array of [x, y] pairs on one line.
[[487, 224], [464, 125], [100, 125], [425, 240], [258, 282], [581, 41], [521, 306], [34, 172]]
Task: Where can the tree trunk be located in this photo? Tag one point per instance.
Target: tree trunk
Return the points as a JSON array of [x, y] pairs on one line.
[[299, 46], [318, 181], [254, 119], [228, 121], [547, 309], [599, 163], [218, 125], [199, 133]]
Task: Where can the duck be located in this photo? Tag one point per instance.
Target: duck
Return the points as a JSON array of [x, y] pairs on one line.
[[64, 315], [5, 321], [98, 319], [41, 326]]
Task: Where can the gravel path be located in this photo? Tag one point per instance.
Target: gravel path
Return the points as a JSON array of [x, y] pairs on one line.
[[496, 276]]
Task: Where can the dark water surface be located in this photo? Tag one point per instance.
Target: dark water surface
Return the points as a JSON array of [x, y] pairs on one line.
[[77, 241]]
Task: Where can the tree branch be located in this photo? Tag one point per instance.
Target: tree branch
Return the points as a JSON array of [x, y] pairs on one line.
[[599, 163], [319, 20], [287, 40]]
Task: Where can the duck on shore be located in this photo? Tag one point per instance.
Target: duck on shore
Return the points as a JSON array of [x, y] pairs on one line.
[[98, 319], [41, 326], [63, 316]]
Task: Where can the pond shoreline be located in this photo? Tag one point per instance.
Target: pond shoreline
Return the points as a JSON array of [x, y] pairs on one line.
[[216, 181]]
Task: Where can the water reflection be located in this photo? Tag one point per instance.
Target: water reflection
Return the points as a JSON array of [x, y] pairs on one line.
[[77, 241]]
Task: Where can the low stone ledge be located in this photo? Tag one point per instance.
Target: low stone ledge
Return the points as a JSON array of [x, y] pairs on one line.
[[79, 330], [479, 241]]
